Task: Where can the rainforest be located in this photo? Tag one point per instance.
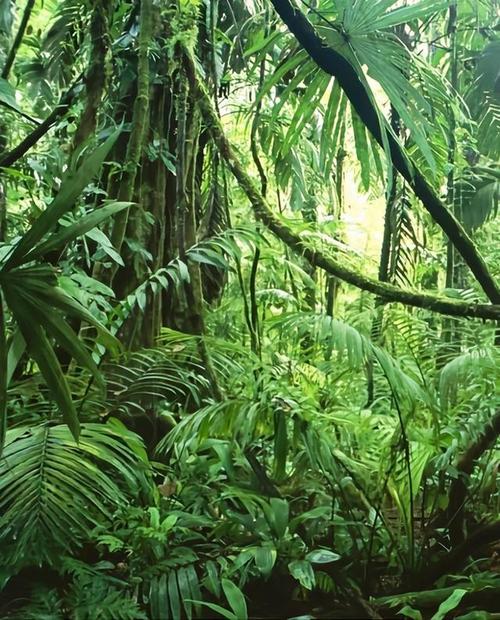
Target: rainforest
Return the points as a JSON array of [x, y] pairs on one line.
[[249, 309]]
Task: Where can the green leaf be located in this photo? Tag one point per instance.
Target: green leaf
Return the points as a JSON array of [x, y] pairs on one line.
[[8, 94], [61, 300], [40, 282], [280, 515], [475, 615], [212, 581], [280, 445], [105, 245], [265, 558], [333, 120], [320, 512], [260, 41], [449, 604], [309, 101], [158, 597], [173, 595], [53, 490], [207, 256], [302, 571], [235, 599], [71, 187], [43, 354], [409, 612], [287, 67], [360, 18], [79, 228], [405, 14], [57, 327], [322, 556], [17, 347], [225, 613], [8, 99], [362, 150], [194, 585], [185, 590]]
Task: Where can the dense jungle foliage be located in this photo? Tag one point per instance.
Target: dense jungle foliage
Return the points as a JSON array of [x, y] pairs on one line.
[[249, 310]]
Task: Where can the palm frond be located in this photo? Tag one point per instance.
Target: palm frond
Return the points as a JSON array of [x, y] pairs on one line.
[[359, 31], [489, 128], [145, 379], [461, 371], [349, 343], [52, 489]]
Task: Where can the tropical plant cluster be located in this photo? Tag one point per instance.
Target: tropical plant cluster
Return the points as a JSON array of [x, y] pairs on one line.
[[249, 309]]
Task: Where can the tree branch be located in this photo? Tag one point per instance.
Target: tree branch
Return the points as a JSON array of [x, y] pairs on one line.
[[37, 134], [263, 212], [16, 110], [339, 67], [453, 560]]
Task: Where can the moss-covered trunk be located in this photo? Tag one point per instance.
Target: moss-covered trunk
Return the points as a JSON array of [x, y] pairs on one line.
[[138, 132]]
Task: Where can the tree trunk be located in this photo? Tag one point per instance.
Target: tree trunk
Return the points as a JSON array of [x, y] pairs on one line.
[[95, 80], [137, 132]]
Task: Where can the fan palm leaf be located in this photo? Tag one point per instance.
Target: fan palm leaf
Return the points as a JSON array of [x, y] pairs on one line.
[[359, 31]]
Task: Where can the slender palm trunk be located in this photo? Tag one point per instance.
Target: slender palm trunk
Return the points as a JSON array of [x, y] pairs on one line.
[[95, 80], [450, 336], [333, 284]]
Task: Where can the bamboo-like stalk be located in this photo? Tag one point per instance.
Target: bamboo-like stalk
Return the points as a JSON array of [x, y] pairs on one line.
[[3, 376], [452, 142], [18, 39], [450, 334], [188, 132]]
